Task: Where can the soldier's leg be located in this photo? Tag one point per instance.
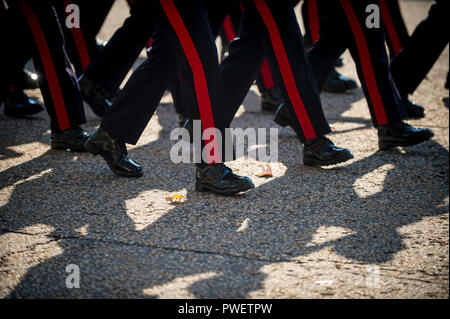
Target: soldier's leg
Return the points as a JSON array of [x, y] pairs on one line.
[[57, 80], [272, 30]]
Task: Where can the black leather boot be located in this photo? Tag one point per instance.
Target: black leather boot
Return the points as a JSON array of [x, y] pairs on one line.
[[219, 179], [415, 111], [114, 153], [72, 139], [99, 99], [19, 105], [338, 83], [322, 152], [271, 100], [401, 134]]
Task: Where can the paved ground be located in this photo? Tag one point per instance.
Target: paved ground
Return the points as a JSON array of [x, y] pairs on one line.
[[376, 227]]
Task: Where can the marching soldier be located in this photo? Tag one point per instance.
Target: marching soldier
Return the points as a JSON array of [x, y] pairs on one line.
[[37, 25], [183, 44], [16, 102], [311, 13], [422, 50], [367, 49]]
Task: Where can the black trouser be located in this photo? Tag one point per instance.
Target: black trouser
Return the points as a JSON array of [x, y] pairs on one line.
[[269, 29], [396, 33], [81, 43], [367, 47], [183, 44], [311, 13], [225, 21], [16, 54], [111, 66], [423, 49], [37, 24]]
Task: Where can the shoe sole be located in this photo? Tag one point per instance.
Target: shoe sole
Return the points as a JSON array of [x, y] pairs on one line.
[[205, 188], [384, 146], [90, 148], [58, 146], [316, 162]]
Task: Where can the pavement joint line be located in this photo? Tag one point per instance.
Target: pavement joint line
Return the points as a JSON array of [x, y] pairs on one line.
[[58, 238]]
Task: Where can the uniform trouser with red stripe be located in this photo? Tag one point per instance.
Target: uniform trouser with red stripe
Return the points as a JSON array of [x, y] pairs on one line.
[[39, 25], [225, 19], [424, 47], [396, 32], [367, 47], [183, 38], [270, 29], [311, 14], [81, 43]]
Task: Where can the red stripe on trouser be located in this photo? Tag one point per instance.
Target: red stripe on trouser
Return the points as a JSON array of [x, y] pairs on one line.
[[286, 70], [366, 63], [200, 84], [49, 68], [150, 43], [314, 20], [228, 29], [80, 43], [390, 27]]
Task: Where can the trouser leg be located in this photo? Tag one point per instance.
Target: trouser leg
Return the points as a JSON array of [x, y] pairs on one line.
[[136, 104], [367, 49], [424, 47], [111, 66], [185, 31], [81, 42], [280, 36], [396, 33], [311, 18], [57, 80], [14, 35]]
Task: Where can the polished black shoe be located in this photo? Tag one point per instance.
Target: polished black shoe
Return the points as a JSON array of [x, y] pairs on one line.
[[114, 153], [401, 134], [322, 152], [219, 179], [72, 139], [19, 105], [414, 111], [271, 100], [338, 83], [98, 98]]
